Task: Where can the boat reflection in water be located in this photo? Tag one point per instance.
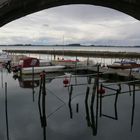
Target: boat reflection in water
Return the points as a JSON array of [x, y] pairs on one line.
[[30, 81], [94, 104]]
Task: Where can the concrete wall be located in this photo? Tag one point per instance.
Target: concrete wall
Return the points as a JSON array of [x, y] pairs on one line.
[[13, 9]]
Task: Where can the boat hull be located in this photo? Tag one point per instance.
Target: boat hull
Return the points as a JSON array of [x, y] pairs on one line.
[[38, 70], [131, 66]]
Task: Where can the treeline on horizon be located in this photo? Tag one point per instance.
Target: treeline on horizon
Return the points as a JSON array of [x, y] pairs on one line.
[[77, 45]]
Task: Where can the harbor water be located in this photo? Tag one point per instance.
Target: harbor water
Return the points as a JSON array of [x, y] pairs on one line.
[[22, 117]]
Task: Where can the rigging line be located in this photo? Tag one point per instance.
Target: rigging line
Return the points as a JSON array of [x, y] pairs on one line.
[[56, 96], [55, 110]]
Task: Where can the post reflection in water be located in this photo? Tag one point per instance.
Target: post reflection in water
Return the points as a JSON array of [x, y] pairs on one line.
[[69, 102], [1, 77], [42, 104], [6, 113], [118, 91], [90, 122], [91, 104], [115, 117], [91, 118], [133, 108]]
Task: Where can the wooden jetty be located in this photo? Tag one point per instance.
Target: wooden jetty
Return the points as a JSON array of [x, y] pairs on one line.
[[106, 72], [122, 74], [103, 54]]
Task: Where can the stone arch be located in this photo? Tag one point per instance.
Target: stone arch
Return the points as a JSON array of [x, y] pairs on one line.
[[14, 9]]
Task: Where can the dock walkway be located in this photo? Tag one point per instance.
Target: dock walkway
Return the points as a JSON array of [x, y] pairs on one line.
[[108, 71]]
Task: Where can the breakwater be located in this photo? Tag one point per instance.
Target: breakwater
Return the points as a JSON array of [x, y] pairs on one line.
[[103, 54]]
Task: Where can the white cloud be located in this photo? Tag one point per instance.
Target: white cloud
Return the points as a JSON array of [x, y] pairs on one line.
[[77, 23]]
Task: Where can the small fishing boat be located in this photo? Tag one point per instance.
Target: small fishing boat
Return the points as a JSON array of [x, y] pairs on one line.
[[38, 70], [31, 65], [124, 64]]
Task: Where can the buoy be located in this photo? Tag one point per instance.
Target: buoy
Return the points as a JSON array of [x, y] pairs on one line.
[[65, 82]]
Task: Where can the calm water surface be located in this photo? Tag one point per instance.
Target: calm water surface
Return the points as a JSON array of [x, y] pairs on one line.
[[84, 48], [101, 60], [24, 119]]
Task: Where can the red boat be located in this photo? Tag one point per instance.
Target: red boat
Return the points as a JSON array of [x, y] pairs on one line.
[[31, 65], [26, 62]]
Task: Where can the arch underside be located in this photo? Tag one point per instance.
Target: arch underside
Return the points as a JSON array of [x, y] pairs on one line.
[[14, 9]]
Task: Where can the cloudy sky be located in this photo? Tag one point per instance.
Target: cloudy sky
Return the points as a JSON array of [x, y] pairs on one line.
[[85, 24]]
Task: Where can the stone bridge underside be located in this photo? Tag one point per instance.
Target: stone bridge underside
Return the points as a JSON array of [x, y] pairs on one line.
[[13, 9]]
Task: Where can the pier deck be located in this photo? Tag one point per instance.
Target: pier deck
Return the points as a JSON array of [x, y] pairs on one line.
[[123, 73], [103, 54], [106, 72]]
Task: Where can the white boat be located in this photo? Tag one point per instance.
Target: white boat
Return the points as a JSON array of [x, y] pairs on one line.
[[44, 62], [4, 57], [38, 70], [124, 64]]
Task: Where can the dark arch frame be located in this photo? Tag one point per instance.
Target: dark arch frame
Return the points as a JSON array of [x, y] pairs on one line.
[[19, 8]]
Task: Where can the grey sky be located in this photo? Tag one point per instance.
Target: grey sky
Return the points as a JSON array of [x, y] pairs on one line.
[[85, 24]]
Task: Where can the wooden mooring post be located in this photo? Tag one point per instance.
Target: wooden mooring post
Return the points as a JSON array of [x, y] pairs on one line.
[[33, 82]]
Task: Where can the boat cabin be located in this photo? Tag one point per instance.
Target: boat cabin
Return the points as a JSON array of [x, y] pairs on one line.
[[29, 62]]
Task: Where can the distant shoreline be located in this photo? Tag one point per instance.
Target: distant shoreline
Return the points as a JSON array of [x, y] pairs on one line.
[[67, 45], [100, 54]]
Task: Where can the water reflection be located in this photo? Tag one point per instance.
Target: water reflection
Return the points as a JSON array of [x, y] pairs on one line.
[[120, 91], [91, 116], [18, 102], [6, 113], [69, 102], [42, 104], [1, 77], [33, 81]]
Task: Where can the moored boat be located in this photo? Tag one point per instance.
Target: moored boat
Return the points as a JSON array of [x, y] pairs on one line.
[[38, 70], [124, 64], [31, 65]]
